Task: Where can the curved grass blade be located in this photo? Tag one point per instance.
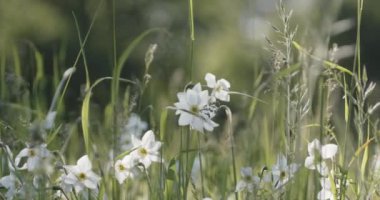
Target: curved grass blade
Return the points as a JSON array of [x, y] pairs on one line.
[[86, 110], [325, 62], [124, 57]]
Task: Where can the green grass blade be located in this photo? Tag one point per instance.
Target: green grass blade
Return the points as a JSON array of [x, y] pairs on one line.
[[85, 113], [328, 64], [124, 57]]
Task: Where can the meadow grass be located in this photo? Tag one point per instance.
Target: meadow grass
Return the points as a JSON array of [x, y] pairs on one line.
[[307, 131]]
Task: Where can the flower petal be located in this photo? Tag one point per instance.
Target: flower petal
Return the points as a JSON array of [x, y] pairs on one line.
[[185, 119], [322, 168], [84, 163], [210, 80], [313, 147], [309, 162], [329, 151]]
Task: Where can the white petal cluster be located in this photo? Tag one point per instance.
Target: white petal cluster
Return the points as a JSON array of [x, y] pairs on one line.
[[220, 87], [80, 176], [325, 193], [126, 168], [13, 186], [38, 158], [145, 151], [135, 126], [318, 155], [282, 172], [248, 181], [194, 110]]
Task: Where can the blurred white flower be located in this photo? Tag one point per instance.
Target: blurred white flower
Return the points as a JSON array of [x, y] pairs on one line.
[[13, 186], [220, 87], [325, 193], [248, 181], [135, 126], [318, 155], [194, 110], [38, 158], [282, 172], [81, 176], [147, 149], [207, 198], [125, 168]]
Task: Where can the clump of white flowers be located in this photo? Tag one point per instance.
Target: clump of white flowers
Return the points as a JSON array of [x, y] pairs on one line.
[[318, 155], [196, 107], [220, 87], [144, 152]]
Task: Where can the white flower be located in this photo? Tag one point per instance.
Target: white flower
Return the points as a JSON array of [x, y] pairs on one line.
[[207, 198], [81, 176], [125, 168], [325, 193], [318, 154], [248, 182], [135, 126], [282, 172], [38, 158], [220, 87], [194, 110], [147, 149], [12, 184]]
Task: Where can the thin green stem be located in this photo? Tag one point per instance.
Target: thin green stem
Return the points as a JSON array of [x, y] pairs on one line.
[[201, 165], [149, 182], [192, 38]]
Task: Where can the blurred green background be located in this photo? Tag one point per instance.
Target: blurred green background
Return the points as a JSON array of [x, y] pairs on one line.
[[229, 38]]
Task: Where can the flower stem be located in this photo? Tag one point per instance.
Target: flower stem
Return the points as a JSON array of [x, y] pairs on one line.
[[200, 164]]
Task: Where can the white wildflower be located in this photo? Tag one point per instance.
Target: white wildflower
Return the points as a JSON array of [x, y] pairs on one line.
[[220, 87], [248, 182], [325, 193], [125, 168], [13, 186], [147, 149], [282, 172], [81, 176], [194, 110], [135, 126], [38, 158], [318, 155]]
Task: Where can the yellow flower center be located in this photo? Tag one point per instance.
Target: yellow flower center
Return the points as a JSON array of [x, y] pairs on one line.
[[121, 167], [248, 178], [219, 88], [143, 152], [194, 109], [31, 153], [82, 176]]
